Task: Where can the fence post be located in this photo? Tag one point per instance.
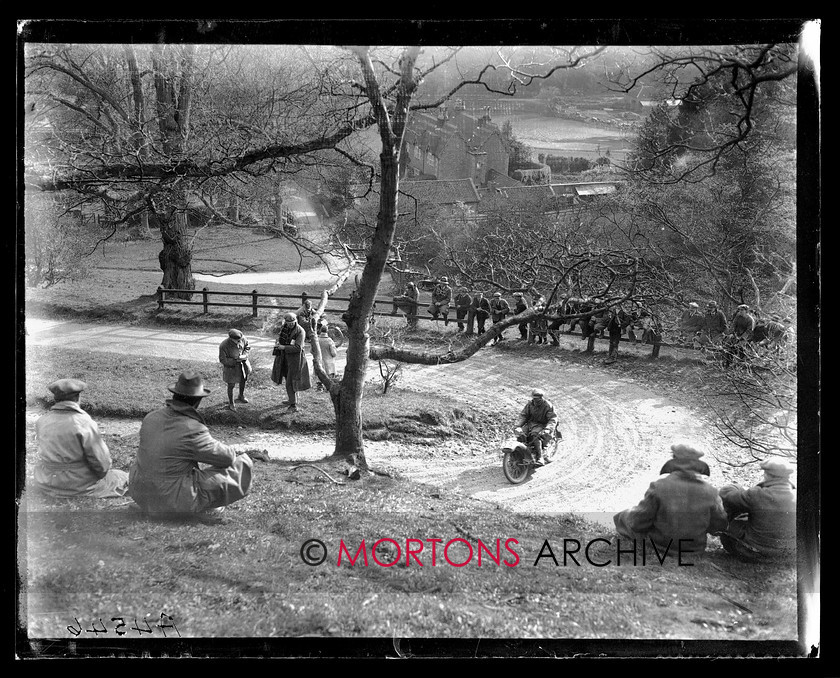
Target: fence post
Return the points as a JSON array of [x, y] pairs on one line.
[[160, 296], [254, 303], [204, 298]]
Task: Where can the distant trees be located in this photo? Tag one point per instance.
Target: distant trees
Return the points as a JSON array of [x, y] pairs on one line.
[[146, 132], [564, 165]]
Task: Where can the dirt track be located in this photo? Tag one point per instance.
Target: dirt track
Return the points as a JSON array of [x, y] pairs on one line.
[[616, 432]]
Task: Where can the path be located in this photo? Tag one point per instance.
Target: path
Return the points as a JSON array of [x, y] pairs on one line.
[[616, 432]]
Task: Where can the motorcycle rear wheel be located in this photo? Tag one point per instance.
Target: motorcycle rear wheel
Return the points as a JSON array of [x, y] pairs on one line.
[[516, 467]]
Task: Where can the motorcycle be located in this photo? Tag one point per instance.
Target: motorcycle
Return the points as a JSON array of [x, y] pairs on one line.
[[518, 456]]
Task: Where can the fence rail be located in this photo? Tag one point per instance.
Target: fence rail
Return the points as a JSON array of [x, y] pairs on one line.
[[254, 304]]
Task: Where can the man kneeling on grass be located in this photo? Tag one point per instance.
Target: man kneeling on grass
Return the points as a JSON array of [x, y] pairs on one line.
[[166, 479]]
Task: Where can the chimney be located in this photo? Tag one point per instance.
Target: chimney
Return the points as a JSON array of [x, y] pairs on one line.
[[442, 117]]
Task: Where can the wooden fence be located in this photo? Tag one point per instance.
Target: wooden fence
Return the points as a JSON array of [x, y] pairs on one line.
[[256, 301]]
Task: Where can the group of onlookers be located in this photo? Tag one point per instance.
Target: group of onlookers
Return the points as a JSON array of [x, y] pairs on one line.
[[682, 507], [745, 325], [473, 310]]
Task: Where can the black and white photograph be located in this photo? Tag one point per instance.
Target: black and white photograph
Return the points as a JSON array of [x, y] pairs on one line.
[[483, 339]]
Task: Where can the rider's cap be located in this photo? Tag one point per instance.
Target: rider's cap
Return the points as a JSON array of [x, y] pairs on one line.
[[497, 294], [517, 294], [693, 304], [742, 306], [537, 392], [444, 279], [711, 304]]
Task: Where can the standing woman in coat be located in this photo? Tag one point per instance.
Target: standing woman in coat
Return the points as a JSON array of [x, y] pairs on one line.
[[290, 360], [233, 354]]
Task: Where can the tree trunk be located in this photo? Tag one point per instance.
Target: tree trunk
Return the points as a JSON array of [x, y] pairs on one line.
[[176, 256], [348, 433]]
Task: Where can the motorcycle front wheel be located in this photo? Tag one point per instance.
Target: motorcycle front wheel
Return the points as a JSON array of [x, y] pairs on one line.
[[516, 467]]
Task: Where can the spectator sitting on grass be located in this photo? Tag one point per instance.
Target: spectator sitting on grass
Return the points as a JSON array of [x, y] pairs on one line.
[[763, 517], [73, 459], [676, 513], [166, 479]]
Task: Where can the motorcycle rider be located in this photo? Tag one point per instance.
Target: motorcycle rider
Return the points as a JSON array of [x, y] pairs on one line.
[[538, 421]]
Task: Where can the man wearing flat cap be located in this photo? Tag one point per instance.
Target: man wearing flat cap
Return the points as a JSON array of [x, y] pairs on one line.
[[677, 512], [686, 455], [166, 479], [73, 459], [538, 421], [763, 518], [233, 354]]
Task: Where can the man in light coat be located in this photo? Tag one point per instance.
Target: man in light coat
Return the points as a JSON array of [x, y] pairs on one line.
[[236, 367], [676, 513], [763, 525], [166, 478], [73, 459], [290, 360]]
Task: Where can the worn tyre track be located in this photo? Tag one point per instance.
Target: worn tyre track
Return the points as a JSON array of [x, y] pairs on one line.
[[616, 433]]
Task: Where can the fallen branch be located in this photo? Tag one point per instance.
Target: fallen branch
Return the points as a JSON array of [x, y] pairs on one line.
[[317, 468]]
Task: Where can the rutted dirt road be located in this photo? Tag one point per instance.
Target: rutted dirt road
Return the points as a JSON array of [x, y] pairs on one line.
[[616, 432]]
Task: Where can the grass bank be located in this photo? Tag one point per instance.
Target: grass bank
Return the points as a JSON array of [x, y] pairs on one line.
[[247, 578]]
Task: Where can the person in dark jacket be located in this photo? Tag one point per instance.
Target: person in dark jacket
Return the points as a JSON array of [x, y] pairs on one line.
[[407, 302], [686, 455], [499, 308], [714, 325], [743, 323], [479, 313], [676, 513], [615, 328], [538, 420], [166, 478], [441, 296], [763, 518], [236, 367], [520, 306], [290, 360], [462, 307], [691, 322]]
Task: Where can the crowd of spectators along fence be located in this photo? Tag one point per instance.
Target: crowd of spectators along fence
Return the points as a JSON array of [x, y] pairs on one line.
[[638, 331]]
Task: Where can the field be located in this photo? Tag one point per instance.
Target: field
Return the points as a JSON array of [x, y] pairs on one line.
[[570, 138]]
